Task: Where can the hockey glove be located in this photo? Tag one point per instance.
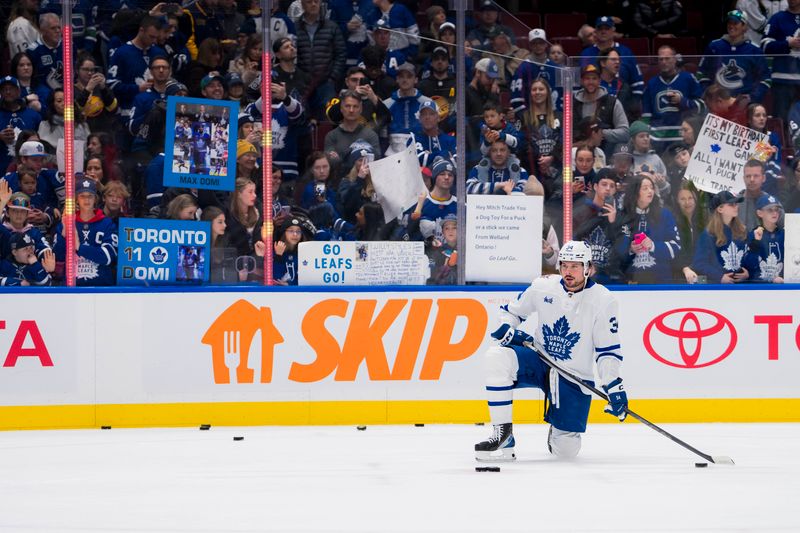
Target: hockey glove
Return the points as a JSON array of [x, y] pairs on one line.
[[617, 399], [510, 336]]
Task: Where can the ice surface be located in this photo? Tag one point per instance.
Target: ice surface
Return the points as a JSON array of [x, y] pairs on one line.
[[396, 479]]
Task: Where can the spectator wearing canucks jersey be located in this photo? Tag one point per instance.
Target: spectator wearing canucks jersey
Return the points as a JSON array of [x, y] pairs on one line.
[[129, 72], [401, 23], [735, 63], [23, 267], [47, 53], [403, 106], [782, 40], [498, 173], [430, 140], [765, 256], [537, 66], [14, 117], [667, 98], [648, 240], [84, 28], [629, 70], [287, 113], [722, 245], [321, 54], [95, 239]]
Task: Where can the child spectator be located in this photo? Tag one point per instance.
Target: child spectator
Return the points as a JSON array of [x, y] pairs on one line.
[[18, 210], [115, 201], [182, 207], [678, 156], [23, 267], [444, 257], [41, 215], [356, 187], [648, 241], [494, 127], [439, 203], [284, 258], [722, 245], [765, 256], [647, 160], [95, 239]]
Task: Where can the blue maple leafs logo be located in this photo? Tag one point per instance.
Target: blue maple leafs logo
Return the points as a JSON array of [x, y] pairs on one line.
[[558, 341], [715, 148]]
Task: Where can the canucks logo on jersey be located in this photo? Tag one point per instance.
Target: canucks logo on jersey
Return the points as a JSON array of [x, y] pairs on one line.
[[558, 340], [731, 76]]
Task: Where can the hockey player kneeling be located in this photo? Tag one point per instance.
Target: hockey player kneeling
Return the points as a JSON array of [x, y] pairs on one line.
[[577, 328]]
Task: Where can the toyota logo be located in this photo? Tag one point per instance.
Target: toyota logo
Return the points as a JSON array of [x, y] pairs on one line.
[[690, 337]]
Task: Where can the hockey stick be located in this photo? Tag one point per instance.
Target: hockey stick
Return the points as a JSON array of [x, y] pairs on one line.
[[716, 459]]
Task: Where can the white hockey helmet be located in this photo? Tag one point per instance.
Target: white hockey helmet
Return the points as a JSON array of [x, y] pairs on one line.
[[576, 251]]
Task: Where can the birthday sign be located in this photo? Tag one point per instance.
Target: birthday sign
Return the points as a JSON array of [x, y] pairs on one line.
[[720, 153]]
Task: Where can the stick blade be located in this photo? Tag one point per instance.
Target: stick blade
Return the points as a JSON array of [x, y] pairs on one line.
[[722, 460]]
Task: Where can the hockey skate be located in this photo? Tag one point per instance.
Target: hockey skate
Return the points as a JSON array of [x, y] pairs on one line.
[[498, 447]]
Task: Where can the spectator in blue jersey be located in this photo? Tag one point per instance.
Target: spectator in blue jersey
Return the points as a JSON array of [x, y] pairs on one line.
[[541, 131], [591, 100], [402, 25], [648, 240], [23, 267], [320, 53], [128, 71], [381, 37], [35, 94], [51, 129], [403, 106], [487, 16], [765, 256], [758, 13], [439, 202], [668, 98], [32, 154], [498, 173], [173, 41], [538, 66], [42, 213], [95, 239], [161, 71], [18, 212], [735, 63], [722, 245], [630, 73], [93, 96], [23, 28], [14, 118], [610, 63], [495, 127], [319, 188], [782, 40], [353, 18], [372, 58], [47, 54], [430, 140], [290, 234]]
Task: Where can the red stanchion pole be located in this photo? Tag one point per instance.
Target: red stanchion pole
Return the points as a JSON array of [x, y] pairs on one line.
[[567, 156], [69, 148], [267, 228]]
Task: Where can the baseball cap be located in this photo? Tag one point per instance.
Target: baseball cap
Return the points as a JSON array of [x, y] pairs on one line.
[[233, 78], [20, 200], [724, 197], [622, 149], [174, 87], [488, 66], [736, 16], [407, 66], [429, 104], [604, 21], [10, 79], [488, 5], [245, 118], [590, 69], [20, 240], [447, 26], [440, 51], [32, 149], [766, 200], [209, 78], [537, 34], [677, 148], [276, 46], [85, 185]]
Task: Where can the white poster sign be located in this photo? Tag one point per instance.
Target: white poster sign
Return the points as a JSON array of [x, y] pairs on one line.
[[504, 238], [719, 155], [363, 263], [398, 182], [791, 249], [78, 155]]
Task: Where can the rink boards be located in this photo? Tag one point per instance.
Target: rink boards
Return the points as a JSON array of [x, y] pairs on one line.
[[169, 358]]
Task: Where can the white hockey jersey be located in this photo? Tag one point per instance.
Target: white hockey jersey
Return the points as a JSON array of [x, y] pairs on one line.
[[576, 329]]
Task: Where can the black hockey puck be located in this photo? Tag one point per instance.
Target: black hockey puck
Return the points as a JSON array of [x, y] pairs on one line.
[[238, 438], [205, 427], [700, 465], [419, 425], [105, 427], [487, 468], [361, 428]]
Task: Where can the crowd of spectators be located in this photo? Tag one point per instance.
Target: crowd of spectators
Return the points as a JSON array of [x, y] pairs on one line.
[[353, 81]]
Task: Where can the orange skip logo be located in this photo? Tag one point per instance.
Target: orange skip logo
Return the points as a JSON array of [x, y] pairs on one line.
[[231, 335]]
